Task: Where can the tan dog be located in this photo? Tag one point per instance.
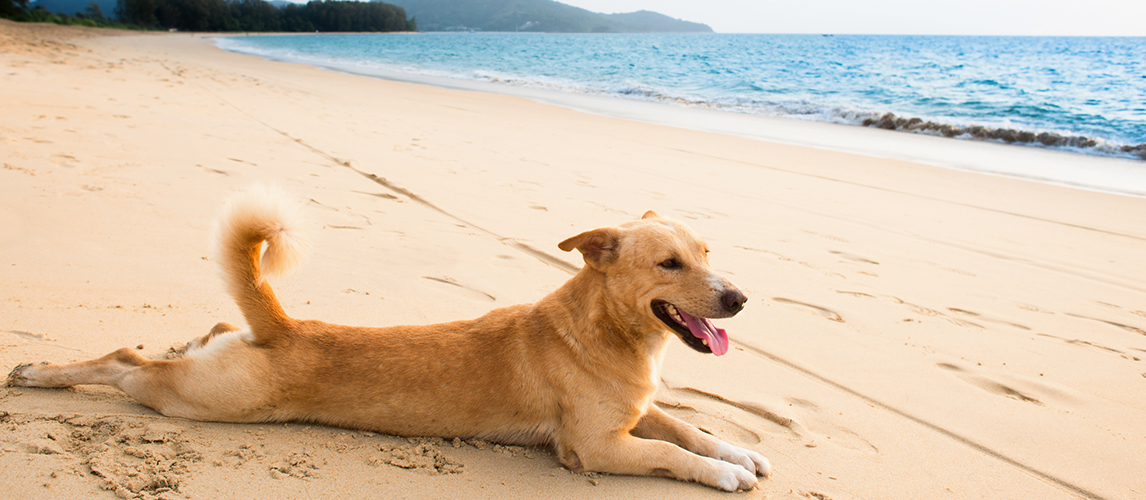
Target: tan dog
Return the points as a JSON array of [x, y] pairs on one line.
[[577, 370]]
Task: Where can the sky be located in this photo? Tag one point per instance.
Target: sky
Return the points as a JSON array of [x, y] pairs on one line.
[[894, 17]]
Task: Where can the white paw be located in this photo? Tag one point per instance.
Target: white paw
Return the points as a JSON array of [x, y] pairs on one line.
[[748, 459], [734, 477]]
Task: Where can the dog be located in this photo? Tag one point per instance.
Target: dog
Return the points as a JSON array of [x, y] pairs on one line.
[[576, 370]]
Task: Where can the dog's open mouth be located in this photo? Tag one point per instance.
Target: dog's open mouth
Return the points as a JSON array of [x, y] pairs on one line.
[[697, 333]]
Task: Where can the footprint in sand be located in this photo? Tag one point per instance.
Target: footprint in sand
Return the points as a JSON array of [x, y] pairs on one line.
[[828, 237], [808, 422], [1132, 329], [1092, 345], [237, 160], [1031, 308], [823, 312], [769, 252], [698, 215], [1020, 390], [989, 319], [704, 409], [64, 160], [926, 311], [725, 428], [806, 264], [214, 170], [384, 196], [452, 286], [854, 258]]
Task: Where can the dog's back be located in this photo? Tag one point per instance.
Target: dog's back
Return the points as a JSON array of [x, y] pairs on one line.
[[404, 380]]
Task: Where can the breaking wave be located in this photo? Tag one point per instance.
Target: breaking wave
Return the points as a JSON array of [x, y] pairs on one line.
[[889, 121]]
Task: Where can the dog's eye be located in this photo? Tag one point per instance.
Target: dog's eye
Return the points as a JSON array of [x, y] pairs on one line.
[[670, 264]]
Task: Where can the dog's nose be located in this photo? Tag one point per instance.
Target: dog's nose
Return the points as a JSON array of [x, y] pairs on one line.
[[733, 301]]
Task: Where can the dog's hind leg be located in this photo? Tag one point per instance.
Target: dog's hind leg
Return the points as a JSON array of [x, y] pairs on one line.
[[218, 381], [117, 369], [108, 370], [217, 330], [149, 382]]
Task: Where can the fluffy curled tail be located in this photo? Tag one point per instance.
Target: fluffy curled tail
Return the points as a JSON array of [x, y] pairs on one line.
[[250, 219]]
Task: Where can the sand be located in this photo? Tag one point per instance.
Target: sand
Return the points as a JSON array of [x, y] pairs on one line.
[[913, 332]]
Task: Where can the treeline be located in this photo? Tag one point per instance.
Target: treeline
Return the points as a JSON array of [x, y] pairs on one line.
[[257, 15], [92, 15], [227, 15]]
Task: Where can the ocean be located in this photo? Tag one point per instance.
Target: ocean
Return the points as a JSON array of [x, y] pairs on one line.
[[1084, 95]]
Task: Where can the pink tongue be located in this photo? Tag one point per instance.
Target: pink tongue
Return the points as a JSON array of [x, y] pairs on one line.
[[702, 328]]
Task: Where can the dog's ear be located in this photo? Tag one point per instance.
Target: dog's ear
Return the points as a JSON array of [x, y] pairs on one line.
[[650, 214], [599, 246]]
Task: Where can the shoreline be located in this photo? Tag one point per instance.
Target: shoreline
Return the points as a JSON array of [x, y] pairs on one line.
[[913, 332], [1059, 166]]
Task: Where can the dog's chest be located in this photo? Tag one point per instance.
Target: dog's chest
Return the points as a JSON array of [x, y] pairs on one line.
[[654, 359]]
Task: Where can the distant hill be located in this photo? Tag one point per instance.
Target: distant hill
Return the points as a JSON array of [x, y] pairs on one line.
[[536, 15]]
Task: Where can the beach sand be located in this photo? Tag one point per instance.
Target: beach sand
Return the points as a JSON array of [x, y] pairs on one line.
[[913, 332]]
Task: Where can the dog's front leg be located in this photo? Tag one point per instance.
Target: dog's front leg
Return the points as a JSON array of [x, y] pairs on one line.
[[623, 453], [656, 424]]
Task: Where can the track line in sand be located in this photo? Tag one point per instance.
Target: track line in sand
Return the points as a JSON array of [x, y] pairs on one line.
[[545, 257], [522, 247]]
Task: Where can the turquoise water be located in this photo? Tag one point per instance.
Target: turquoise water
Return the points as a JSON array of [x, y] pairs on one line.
[[1081, 94]]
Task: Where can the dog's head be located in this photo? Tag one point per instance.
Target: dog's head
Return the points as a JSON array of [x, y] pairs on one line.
[[657, 270]]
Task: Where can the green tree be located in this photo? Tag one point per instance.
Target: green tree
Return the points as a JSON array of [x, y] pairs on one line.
[[94, 11], [137, 12], [258, 15]]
